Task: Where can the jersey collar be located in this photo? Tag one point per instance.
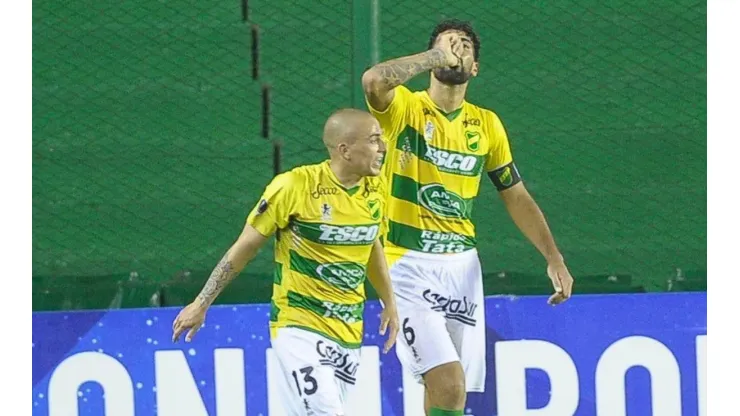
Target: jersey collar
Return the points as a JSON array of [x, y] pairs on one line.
[[330, 173], [452, 115]]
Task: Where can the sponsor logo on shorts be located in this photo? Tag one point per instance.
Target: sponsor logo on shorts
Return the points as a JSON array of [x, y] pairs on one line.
[[461, 310], [307, 406], [345, 368]]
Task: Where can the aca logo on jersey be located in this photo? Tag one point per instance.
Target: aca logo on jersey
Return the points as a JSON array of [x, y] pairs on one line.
[[437, 199], [344, 275], [461, 310], [348, 233]]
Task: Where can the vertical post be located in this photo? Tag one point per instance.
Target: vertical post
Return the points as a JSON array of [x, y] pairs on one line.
[[365, 51], [255, 52], [245, 10], [266, 111], [277, 147]]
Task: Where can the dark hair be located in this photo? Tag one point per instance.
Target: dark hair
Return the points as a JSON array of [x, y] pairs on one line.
[[454, 24]]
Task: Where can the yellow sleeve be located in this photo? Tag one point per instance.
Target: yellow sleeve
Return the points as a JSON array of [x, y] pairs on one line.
[[275, 207], [499, 152], [384, 204], [395, 118]]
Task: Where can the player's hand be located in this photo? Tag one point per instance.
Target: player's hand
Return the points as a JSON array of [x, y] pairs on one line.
[[452, 46], [562, 281], [189, 319], [389, 322]]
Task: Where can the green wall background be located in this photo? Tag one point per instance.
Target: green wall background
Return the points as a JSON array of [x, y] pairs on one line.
[[147, 153]]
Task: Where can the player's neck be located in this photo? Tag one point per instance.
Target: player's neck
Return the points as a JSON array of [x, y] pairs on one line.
[[447, 98], [347, 179]]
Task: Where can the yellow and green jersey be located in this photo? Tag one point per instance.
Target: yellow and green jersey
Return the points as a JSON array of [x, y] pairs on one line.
[[324, 238], [433, 171]]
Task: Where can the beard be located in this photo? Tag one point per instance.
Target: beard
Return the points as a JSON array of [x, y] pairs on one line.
[[451, 76]]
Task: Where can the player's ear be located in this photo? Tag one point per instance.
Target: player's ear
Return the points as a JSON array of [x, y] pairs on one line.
[[343, 150], [474, 70]]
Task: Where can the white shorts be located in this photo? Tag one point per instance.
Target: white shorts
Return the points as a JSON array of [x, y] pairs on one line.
[[440, 307], [317, 372]]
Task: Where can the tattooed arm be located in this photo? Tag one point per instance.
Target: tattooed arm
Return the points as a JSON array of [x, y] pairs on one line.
[[191, 318], [240, 253], [380, 80]]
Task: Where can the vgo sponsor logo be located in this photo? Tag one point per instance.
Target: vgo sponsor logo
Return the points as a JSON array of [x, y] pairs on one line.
[[348, 233]]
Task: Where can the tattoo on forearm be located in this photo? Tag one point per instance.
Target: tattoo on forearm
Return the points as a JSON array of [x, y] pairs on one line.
[[220, 277], [398, 71]]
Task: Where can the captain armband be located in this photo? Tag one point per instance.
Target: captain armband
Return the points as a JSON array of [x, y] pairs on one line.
[[505, 177]]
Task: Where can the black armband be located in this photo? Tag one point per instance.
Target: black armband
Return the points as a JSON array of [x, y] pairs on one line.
[[505, 177]]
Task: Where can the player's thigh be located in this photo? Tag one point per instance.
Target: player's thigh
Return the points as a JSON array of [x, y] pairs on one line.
[[466, 325], [423, 342], [307, 386]]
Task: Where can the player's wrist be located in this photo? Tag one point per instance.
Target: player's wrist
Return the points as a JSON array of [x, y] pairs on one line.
[[437, 57], [555, 259], [202, 303]]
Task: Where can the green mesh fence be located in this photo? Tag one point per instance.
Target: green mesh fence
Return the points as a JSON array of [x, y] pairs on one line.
[[605, 106], [146, 148], [147, 152]]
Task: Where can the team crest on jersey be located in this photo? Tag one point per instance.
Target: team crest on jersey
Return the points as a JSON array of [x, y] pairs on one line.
[[374, 206], [326, 212], [473, 140], [429, 131]]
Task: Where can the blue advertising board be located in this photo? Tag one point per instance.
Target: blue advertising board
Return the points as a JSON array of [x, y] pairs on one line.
[[641, 354]]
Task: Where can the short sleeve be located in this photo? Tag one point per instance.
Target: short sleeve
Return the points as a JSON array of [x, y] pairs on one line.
[[276, 206], [394, 119], [499, 152], [499, 163]]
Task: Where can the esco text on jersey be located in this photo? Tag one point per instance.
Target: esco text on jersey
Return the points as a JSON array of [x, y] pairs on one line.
[[450, 160], [360, 233]]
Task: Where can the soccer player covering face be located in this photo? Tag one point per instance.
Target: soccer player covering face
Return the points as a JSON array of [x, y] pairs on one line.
[[439, 145], [327, 219]]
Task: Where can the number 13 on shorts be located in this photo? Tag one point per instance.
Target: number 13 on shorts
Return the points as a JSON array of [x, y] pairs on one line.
[[363, 399]]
